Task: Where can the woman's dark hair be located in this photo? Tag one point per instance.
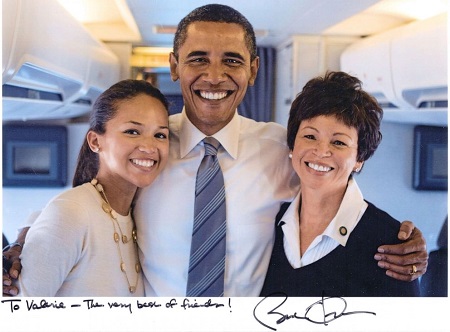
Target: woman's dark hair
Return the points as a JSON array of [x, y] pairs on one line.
[[219, 14], [104, 109], [341, 95]]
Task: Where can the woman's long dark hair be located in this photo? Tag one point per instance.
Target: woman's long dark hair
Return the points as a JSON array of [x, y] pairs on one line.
[[104, 109]]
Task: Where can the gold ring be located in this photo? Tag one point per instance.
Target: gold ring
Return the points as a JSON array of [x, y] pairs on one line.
[[413, 270]]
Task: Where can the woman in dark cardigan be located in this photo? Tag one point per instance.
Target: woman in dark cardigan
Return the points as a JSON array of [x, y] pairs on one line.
[[327, 237]]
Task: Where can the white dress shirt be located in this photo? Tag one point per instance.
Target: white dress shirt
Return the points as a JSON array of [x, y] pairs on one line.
[[258, 177], [350, 212]]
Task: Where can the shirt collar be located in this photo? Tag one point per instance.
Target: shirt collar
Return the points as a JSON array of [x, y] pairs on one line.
[[340, 227], [228, 136], [291, 231], [348, 215]]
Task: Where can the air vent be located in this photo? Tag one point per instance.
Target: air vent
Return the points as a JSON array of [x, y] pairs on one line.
[[434, 104], [27, 93], [387, 105], [83, 101]]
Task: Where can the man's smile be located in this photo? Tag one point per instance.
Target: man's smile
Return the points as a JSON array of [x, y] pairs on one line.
[[213, 95]]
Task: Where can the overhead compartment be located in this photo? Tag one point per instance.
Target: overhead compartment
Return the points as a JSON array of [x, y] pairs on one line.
[[406, 70], [52, 67]]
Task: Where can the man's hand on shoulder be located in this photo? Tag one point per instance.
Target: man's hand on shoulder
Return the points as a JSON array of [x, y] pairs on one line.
[[406, 261], [11, 268]]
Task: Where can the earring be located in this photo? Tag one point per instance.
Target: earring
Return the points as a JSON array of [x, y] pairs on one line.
[[290, 155], [95, 150], [357, 170]]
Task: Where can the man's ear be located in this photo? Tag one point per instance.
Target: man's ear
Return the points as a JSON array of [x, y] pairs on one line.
[[254, 66], [92, 140], [173, 67]]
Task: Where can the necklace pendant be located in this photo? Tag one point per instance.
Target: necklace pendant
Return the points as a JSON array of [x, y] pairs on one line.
[[99, 187], [106, 208], [124, 239], [116, 237], [132, 289], [122, 266], [138, 267]]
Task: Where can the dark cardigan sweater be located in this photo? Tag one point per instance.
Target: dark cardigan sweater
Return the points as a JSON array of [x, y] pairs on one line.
[[346, 271]]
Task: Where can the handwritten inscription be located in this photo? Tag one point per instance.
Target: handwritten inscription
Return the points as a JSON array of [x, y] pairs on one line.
[[268, 311], [91, 304], [188, 304], [150, 304], [43, 304], [120, 305], [32, 305]]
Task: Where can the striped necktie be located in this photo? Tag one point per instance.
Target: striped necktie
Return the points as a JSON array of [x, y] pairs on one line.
[[207, 261]]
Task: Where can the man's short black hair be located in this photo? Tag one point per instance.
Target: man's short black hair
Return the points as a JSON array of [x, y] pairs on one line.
[[215, 13]]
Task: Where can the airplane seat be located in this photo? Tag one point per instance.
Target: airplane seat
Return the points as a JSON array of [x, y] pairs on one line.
[[434, 283], [4, 241]]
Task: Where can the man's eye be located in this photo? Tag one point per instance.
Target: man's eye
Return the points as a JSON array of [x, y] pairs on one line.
[[233, 62], [198, 60]]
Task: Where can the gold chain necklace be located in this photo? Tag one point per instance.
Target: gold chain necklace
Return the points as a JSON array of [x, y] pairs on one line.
[[110, 211]]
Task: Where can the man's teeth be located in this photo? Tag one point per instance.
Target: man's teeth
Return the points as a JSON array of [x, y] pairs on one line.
[[213, 95], [319, 168], [143, 163]]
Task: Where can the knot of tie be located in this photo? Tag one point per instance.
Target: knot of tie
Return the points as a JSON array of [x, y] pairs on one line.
[[211, 146]]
